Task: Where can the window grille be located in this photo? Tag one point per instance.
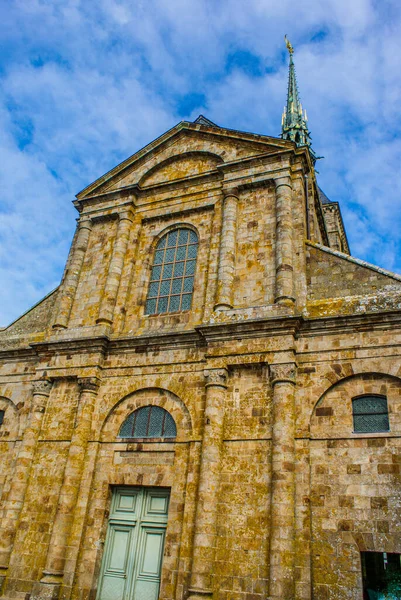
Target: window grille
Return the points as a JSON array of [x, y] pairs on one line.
[[172, 277], [149, 422], [370, 414], [2, 412]]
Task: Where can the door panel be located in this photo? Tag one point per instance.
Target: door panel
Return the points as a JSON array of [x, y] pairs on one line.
[[132, 560], [126, 505], [157, 504], [119, 552], [116, 562], [146, 590], [152, 543]]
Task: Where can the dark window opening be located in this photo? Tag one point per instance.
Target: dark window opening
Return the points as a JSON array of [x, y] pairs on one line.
[[370, 414], [149, 422], [1, 416], [381, 575]]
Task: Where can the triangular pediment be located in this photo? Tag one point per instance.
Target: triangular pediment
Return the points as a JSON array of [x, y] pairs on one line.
[[202, 120], [186, 150]]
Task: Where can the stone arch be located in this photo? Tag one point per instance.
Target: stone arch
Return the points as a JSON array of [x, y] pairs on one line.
[[144, 397], [335, 372], [333, 410], [10, 427], [181, 166], [179, 225]]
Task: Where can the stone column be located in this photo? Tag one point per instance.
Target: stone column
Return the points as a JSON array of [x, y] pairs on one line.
[[15, 499], [70, 284], [226, 271], [303, 583], [115, 269], [284, 293], [209, 479], [282, 518], [55, 561]]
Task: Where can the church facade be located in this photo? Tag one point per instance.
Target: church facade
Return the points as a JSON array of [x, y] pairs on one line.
[[208, 406]]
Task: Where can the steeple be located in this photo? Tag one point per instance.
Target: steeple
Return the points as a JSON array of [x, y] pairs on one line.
[[294, 122]]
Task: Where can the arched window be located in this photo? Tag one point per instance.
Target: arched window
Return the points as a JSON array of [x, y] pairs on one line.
[[148, 422], [370, 414], [172, 278]]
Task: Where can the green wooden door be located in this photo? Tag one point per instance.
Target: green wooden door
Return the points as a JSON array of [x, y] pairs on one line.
[[133, 552]]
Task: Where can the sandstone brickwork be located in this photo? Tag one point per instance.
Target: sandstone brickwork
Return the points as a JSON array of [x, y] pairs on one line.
[[272, 494]]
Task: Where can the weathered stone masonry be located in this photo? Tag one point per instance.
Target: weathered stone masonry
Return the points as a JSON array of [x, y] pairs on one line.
[[272, 494]]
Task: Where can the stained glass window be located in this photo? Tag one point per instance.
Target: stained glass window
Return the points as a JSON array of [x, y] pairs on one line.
[[172, 277], [370, 414], [149, 422]]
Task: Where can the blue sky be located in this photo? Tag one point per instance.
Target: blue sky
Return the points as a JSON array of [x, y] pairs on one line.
[[84, 84]]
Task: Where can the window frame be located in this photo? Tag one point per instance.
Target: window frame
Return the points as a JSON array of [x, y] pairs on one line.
[[172, 277], [134, 414], [376, 431]]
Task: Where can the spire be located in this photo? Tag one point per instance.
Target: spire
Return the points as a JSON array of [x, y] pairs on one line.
[[294, 122]]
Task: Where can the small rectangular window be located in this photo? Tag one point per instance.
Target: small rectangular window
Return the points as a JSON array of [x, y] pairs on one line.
[[1, 416], [381, 575], [370, 414]]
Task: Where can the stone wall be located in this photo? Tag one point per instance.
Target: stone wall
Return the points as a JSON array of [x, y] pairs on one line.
[[351, 503], [272, 493]]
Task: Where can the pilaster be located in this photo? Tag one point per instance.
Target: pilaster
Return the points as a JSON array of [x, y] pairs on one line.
[[69, 287], [52, 578], [14, 501], [282, 543], [284, 292], [106, 310], [226, 270], [201, 586]]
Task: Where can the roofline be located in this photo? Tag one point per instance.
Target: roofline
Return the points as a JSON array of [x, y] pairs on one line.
[[181, 126], [355, 261], [29, 309]]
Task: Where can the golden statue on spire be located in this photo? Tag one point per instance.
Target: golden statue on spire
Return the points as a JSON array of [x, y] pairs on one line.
[[289, 45]]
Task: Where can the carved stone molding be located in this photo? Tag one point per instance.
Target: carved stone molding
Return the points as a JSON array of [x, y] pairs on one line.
[[41, 391], [42, 387], [126, 215], [88, 384], [285, 372], [216, 377], [85, 223], [198, 594], [231, 191], [283, 181]]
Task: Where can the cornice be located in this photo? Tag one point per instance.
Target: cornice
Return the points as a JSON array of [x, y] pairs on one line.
[[219, 332], [17, 354], [172, 340], [180, 212], [297, 326], [74, 345]]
